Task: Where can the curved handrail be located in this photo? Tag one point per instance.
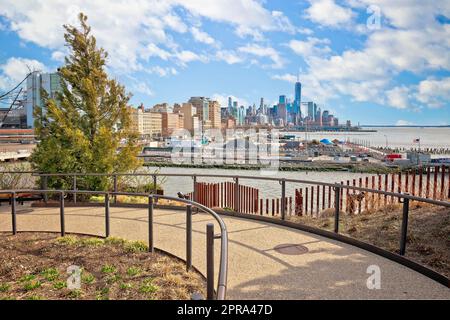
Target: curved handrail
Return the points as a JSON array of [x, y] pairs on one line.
[[223, 267], [311, 182]]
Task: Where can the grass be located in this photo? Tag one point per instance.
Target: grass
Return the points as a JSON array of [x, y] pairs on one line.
[[133, 271], [112, 268], [107, 268]]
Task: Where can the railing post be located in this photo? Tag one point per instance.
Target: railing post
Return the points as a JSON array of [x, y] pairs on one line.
[[404, 230], [74, 188], [337, 205], [115, 188], [210, 261], [283, 199], [61, 214], [44, 187], [236, 194], [150, 224], [107, 230], [194, 192], [155, 188], [188, 237], [13, 213]]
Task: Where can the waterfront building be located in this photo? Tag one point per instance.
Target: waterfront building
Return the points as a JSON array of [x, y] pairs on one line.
[[148, 124], [298, 99], [36, 82], [170, 123], [215, 114]]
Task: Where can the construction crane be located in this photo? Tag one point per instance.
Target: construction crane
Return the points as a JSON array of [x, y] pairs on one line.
[[11, 99]]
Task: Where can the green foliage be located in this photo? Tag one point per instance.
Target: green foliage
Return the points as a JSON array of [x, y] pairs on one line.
[[4, 287], [136, 246], [74, 294], [87, 278], [67, 240], [148, 287], [58, 285], [115, 241], [107, 268], [125, 286], [133, 271], [87, 127], [31, 285], [50, 274], [92, 242]]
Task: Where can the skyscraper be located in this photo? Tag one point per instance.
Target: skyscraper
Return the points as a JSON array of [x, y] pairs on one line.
[[298, 98], [49, 82]]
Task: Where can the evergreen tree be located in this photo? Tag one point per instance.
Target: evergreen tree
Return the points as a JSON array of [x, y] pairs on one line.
[[87, 127]]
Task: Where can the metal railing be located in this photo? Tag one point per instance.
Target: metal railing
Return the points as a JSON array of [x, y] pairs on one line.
[[220, 293], [338, 188]]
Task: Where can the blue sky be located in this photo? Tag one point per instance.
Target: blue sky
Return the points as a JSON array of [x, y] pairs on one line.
[[371, 61]]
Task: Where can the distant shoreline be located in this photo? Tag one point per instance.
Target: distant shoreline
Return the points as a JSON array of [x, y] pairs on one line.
[[406, 126]]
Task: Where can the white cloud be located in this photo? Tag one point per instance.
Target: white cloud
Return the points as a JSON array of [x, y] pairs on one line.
[[15, 70], [162, 72], [268, 52], [186, 56], [202, 36], [222, 98], [403, 123], [434, 93], [58, 56], [229, 56], [312, 46], [142, 87], [328, 13], [398, 97]]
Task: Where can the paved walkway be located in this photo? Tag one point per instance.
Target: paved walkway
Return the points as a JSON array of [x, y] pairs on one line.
[[329, 270]]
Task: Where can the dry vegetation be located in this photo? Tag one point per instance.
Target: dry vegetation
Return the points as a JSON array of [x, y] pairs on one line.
[[34, 266], [428, 239]]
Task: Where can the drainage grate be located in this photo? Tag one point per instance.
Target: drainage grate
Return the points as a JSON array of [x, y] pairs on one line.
[[291, 249]]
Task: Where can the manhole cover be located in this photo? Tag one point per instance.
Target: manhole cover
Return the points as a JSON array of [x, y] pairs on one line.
[[291, 249], [21, 211]]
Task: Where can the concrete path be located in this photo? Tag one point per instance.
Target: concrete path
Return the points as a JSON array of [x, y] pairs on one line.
[[329, 270]]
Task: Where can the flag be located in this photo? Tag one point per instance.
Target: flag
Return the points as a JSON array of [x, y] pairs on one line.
[[416, 141]]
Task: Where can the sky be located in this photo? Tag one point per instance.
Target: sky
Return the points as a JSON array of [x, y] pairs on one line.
[[371, 61]]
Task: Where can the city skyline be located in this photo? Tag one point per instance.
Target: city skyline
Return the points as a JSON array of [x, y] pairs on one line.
[[397, 73]]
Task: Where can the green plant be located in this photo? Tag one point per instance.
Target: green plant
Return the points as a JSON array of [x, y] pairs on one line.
[[133, 271], [4, 287], [50, 274], [136, 246], [87, 278], [103, 294], [113, 278], [74, 294], [92, 242], [58, 285], [67, 240], [31, 285], [148, 287], [34, 297], [125, 286], [115, 241], [107, 268], [27, 278]]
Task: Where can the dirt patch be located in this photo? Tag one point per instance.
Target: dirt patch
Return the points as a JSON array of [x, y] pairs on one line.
[[428, 240], [35, 266]]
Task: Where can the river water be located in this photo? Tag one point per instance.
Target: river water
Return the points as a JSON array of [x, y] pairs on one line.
[[396, 137], [267, 189]]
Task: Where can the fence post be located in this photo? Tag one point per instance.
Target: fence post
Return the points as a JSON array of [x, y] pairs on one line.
[[74, 188], [404, 230], [210, 261], [236, 194], [115, 188], [155, 188], [107, 215], [150, 224], [44, 187], [283, 199], [13, 213], [194, 193], [188, 237], [337, 202], [61, 214]]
